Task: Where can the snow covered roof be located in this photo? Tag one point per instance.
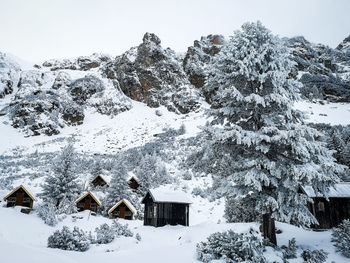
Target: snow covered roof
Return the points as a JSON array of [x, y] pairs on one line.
[[339, 190], [166, 195], [131, 177], [99, 175], [126, 202], [92, 195], [25, 190]]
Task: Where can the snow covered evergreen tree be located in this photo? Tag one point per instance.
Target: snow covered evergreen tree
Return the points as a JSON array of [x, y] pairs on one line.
[[267, 150], [61, 183], [118, 187]]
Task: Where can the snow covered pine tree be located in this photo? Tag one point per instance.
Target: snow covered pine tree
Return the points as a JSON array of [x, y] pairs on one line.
[[61, 184], [268, 150]]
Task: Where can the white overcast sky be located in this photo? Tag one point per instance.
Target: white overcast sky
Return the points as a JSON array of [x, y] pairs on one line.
[[40, 29]]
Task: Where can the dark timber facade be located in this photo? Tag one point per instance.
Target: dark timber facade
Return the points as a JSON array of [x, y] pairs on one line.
[[99, 181], [133, 183], [19, 197], [330, 213], [88, 202], [164, 213], [122, 210]]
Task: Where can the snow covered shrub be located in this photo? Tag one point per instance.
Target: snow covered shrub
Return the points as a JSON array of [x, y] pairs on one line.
[[138, 237], [341, 238], [232, 247], [314, 256], [197, 191], [65, 239], [186, 175], [121, 230], [290, 251], [47, 212], [104, 234], [240, 209], [67, 207]]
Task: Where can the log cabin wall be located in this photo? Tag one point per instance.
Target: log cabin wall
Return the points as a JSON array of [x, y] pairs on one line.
[[329, 213], [20, 198], [87, 203], [122, 211]]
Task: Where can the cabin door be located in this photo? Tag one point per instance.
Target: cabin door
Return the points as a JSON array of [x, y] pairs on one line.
[[19, 198], [122, 212], [87, 204]]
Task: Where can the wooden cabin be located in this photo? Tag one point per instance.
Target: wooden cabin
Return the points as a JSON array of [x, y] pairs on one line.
[[88, 202], [133, 182], [330, 213], [99, 181], [20, 196], [123, 209], [166, 207]]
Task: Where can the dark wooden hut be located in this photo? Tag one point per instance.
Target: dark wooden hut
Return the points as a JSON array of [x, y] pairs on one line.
[[330, 213], [123, 209], [99, 181], [20, 196], [166, 207], [133, 183], [88, 202]]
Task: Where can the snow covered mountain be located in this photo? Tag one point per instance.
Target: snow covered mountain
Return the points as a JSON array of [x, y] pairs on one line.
[[143, 110]]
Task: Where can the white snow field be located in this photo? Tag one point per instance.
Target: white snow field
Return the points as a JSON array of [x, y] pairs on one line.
[[24, 238]]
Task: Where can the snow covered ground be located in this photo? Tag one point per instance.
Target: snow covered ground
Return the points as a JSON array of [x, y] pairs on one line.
[[326, 112], [24, 238]]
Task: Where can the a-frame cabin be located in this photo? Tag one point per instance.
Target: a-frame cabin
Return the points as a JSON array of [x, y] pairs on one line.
[[123, 209], [99, 181], [133, 182], [20, 196], [88, 202]]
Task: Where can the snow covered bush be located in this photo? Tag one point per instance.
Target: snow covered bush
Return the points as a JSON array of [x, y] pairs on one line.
[[290, 251], [232, 247], [66, 239], [240, 209], [341, 238], [138, 237], [314, 256], [121, 230], [104, 234], [47, 212]]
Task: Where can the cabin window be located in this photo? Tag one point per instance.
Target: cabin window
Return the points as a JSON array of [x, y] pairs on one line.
[[155, 211], [320, 207]]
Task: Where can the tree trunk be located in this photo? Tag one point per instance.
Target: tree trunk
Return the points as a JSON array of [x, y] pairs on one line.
[[269, 230]]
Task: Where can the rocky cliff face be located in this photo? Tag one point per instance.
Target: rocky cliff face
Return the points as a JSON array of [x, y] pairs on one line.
[[323, 71], [151, 74], [57, 93]]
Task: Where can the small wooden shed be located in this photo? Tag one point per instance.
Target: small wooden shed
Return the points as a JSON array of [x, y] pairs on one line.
[[330, 213], [133, 182], [123, 209], [88, 202], [20, 196], [99, 181], [166, 207]]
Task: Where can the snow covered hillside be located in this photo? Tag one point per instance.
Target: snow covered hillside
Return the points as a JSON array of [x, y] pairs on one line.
[[142, 114]]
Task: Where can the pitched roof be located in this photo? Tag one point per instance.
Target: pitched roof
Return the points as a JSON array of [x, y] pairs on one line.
[[166, 195], [339, 190], [132, 177], [93, 197], [126, 202], [24, 189], [100, 177]]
